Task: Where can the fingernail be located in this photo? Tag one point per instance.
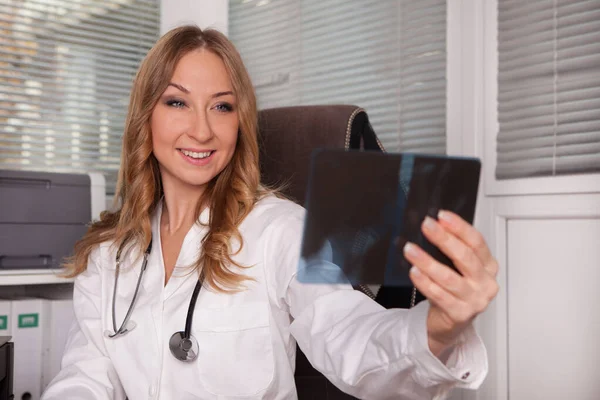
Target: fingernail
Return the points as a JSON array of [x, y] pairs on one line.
[[445, 216], [430, 224], [411, 250], [415, 271]]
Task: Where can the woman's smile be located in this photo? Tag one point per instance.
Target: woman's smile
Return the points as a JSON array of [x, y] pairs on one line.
[[197, 157]]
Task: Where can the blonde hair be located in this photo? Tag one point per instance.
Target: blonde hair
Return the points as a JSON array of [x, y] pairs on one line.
[[231, 195]]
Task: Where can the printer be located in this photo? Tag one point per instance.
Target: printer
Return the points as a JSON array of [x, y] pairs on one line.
[[43, 214]]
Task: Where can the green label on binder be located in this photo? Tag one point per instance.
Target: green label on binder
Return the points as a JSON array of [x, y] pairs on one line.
[[28, 320], [3, 322]]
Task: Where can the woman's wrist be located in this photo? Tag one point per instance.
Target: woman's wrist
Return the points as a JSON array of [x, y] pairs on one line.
[[441, 349]]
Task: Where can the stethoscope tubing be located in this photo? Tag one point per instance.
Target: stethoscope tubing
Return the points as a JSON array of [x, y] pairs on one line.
[[122, 329], [183, 345], [192, 307]]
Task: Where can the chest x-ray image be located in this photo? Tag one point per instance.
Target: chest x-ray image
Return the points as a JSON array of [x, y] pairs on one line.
[[363, 206]]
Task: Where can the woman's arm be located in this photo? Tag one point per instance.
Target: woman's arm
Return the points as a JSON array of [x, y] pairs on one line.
[[87, 372], [362, 348]]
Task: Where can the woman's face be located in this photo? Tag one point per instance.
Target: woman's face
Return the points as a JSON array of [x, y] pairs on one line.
[[195, 122]]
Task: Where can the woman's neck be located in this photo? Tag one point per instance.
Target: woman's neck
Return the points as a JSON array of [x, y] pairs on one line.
[[179, 208]]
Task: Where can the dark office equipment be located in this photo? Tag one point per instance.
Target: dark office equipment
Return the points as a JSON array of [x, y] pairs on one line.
[[6, 368], [42, 215]]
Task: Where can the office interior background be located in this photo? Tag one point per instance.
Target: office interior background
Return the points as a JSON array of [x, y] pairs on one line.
[[515, 83]]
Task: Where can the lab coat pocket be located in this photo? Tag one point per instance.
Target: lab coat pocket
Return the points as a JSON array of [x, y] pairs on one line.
[[235, 355]]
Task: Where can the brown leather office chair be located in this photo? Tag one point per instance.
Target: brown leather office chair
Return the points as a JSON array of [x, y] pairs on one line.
[[288, 135]]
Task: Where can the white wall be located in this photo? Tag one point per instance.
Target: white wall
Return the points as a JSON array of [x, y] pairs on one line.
[[204, 13]]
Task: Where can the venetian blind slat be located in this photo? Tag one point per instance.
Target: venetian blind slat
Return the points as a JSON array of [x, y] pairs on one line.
[[66, 69], [548, 88], [386, 56]]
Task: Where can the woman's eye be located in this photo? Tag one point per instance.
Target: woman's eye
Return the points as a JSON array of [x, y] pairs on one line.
[[175, 103], [224, 107]]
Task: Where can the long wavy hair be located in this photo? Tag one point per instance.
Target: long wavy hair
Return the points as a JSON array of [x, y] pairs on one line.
[[231, 195]]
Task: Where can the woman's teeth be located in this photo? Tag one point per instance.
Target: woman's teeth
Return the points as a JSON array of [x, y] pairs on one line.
[[193, 154]]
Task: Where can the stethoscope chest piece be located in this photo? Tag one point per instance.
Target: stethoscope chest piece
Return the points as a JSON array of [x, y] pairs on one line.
[[182, 348]]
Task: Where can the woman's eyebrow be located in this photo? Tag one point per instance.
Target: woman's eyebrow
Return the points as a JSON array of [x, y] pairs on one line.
[[219, 94], [178, 86], [215, 95]]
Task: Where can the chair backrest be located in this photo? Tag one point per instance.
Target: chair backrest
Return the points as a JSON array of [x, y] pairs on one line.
[[288, 135]]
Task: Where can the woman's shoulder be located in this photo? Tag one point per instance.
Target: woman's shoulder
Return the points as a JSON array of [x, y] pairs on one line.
[[272, 208], [106, 251], [104, 255], [101, 251], [273, 213]]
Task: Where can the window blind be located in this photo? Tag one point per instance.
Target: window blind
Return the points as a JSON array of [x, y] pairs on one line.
[[386, 56], [548, 88], [66, 68]]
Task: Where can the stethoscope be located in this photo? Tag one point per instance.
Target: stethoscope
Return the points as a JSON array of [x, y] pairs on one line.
[[182, 344]]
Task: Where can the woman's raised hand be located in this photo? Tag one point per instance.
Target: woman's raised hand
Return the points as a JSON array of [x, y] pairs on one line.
[[455, 299]]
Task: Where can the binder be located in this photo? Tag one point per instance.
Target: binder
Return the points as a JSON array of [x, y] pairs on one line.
[[29, 322], [5, 320], [60, 318]]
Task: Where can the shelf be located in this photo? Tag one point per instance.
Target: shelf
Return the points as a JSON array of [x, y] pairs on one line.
[[31, 277]]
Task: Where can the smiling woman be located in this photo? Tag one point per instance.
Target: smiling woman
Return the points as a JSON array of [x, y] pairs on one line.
[[194, 131], [191, 96], [198, 239]]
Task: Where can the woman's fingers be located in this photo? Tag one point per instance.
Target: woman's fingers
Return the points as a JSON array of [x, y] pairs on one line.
[[463, 256], [457, 310], [476, 293], [471, 236], [441, 274]]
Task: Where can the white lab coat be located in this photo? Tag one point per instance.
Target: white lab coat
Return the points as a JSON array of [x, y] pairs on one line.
[[247, 340]]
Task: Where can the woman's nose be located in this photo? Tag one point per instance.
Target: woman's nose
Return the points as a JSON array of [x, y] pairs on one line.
[[200, 128]]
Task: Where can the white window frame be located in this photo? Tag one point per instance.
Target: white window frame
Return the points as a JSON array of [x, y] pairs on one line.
[[567, 184], [463, 94], [204, 13]]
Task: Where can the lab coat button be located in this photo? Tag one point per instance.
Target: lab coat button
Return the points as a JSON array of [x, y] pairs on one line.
[[152, 391]]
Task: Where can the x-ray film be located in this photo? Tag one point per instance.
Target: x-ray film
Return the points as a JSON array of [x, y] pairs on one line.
[[363, 206]]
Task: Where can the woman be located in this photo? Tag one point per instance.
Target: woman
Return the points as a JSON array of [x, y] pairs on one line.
[[192, 210]]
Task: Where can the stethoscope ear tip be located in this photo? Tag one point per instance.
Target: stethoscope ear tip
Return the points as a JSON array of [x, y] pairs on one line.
[[122, 332], [129, 326]]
